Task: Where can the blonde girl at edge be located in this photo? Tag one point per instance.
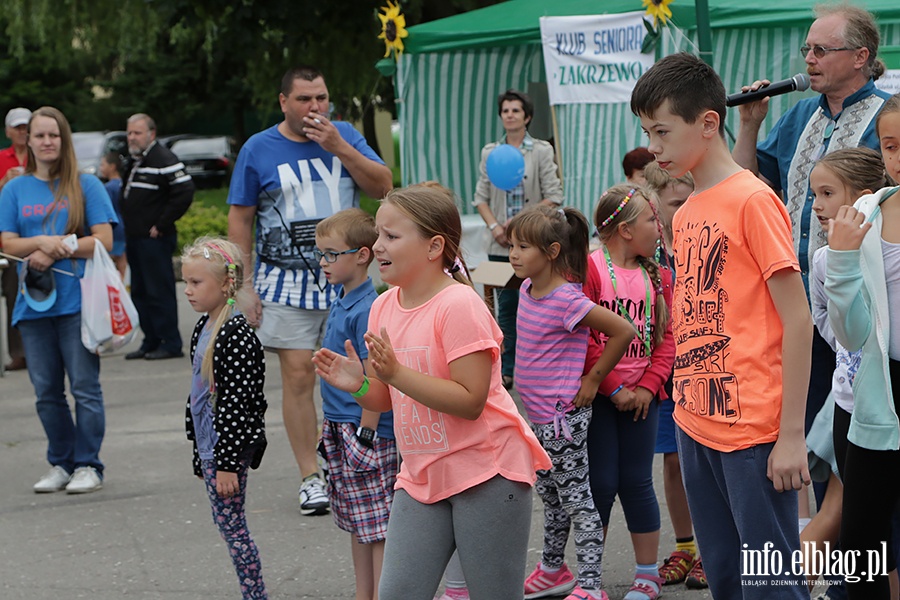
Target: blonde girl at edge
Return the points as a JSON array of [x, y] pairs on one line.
[[225, 413]]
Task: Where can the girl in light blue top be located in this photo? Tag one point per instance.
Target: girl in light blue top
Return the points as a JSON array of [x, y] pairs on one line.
[[862, 283]]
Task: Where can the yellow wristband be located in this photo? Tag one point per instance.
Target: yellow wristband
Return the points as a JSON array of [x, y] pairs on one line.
[[362, 389]]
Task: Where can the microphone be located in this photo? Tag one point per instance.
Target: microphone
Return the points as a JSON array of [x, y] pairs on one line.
[[799, 82]]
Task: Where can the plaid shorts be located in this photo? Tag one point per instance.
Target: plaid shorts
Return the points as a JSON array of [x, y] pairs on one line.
[[360, 481]]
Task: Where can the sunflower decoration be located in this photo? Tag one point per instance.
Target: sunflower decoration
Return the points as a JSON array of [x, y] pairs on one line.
[[660, 11], [393, 28]]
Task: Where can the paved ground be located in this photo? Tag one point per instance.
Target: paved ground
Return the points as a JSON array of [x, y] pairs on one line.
[[148, 533]]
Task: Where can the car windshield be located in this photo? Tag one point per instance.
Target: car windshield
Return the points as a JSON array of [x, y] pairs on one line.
[[195, 147], [88, 145]]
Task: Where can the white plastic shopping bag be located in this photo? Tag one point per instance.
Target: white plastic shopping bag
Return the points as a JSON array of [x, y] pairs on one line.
[[108, 316]]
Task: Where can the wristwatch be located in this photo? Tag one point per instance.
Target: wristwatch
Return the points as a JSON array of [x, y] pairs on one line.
[[366, 436], [493, 225]]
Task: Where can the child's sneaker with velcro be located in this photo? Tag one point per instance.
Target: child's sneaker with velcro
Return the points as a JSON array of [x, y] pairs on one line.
[[675, 569]]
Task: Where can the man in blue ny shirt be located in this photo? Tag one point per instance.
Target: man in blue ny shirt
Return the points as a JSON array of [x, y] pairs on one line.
[[288, 178]]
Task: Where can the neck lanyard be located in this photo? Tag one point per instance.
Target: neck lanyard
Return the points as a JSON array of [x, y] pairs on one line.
[[645, 338]]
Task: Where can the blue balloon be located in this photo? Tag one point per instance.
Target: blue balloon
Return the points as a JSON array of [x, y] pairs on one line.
[[505, 167]]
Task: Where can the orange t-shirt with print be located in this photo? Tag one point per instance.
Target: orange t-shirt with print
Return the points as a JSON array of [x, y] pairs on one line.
[[728, 241], [443, 454]]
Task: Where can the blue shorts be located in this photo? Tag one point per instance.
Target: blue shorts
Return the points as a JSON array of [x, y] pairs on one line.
[[665, 435]]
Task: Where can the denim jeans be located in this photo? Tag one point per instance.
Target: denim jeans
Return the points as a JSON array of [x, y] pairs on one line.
[[54, 350]]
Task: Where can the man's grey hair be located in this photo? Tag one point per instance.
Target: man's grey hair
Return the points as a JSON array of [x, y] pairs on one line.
[[859, 32], [151, 124]]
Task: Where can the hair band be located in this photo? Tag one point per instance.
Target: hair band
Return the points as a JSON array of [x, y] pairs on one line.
[[619, 208], [458, 266], [224, 254]]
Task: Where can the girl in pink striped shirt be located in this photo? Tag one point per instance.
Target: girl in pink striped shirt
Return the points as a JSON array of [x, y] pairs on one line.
[[549, 251]]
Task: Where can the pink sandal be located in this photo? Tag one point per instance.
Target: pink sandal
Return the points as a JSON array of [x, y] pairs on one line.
[[648, 585]]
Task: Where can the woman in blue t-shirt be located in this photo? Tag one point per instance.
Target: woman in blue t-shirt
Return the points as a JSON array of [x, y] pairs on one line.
[[38, 211]]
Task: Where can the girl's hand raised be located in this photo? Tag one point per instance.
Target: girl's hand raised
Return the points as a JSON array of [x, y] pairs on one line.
[[847, 229], [343, 372], [381, 355]]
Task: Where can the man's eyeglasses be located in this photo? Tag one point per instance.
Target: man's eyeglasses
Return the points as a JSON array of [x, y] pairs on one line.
[[331, 256], [820, 51]]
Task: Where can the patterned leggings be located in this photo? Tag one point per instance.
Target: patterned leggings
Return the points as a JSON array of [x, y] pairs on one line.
[[566, 492], [228, 515]]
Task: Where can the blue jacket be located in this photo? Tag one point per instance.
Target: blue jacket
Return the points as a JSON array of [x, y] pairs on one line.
[[858, 313]]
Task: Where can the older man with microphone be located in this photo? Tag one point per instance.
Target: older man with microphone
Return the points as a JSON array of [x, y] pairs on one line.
[[840, 54]]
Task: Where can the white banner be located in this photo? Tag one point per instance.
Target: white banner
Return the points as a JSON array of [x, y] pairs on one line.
[[889, 81], [593, 59]]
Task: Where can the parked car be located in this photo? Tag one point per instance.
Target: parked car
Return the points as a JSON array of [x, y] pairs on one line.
[[168, 140], [91, 146], [208, 159]]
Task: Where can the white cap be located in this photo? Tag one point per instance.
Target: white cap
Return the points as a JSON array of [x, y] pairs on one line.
[[18, 116]]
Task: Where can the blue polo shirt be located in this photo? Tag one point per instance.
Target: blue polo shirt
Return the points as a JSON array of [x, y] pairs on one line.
[[349, 320], [775, 154]]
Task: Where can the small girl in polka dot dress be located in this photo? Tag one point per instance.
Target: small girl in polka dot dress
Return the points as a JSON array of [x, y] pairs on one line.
[[225, 415]]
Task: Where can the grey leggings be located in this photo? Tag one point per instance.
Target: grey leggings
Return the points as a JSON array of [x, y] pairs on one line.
[[488, 524]]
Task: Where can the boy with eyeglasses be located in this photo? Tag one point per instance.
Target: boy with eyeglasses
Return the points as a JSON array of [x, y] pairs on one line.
[[357, 445]]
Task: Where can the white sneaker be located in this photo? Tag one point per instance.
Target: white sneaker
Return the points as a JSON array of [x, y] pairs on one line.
[[85, 480], [313, 498], [55, 480]]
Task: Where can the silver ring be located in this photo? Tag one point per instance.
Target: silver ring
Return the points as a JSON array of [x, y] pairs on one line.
[[317, 121]]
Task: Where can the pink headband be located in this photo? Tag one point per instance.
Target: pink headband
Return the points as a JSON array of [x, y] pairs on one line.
[[224, 254]]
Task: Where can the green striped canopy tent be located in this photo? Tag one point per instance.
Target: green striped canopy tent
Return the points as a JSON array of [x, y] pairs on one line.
[[448, 79]]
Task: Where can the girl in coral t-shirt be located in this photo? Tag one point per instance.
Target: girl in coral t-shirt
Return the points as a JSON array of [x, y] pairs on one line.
[[469, 458]]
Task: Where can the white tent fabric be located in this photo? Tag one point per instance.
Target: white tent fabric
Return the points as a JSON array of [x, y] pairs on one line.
[[448, 113]]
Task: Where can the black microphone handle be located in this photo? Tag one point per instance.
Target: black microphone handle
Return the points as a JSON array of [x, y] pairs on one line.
[[773, 89]]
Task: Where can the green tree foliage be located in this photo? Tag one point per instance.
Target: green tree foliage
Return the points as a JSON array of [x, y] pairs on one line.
[[192, 61]]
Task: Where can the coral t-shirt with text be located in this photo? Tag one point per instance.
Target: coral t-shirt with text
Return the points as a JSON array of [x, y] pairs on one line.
[[728, 241], [443, 454]]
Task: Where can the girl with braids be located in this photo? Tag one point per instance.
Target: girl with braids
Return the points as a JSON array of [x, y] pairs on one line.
[[226, 408], [549, 250], [622, 436], [469, 459]]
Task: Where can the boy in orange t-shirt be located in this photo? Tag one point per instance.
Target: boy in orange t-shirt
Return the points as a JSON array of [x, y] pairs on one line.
[[743, 332]]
